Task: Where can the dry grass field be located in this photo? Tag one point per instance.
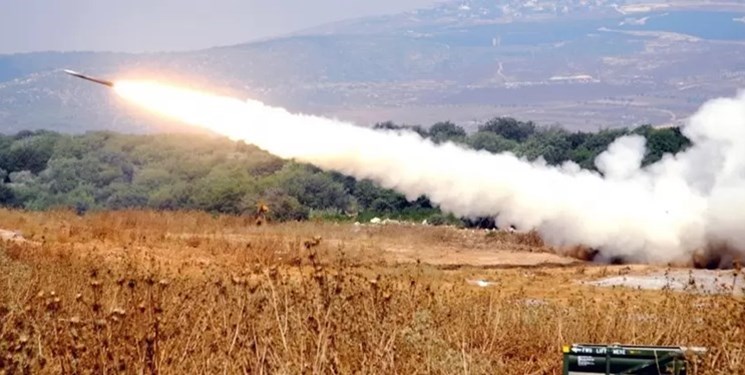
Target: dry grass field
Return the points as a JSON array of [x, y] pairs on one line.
[[173, 293]]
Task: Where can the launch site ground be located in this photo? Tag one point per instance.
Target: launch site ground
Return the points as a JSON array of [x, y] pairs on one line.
[[239, 297], [475, 254]]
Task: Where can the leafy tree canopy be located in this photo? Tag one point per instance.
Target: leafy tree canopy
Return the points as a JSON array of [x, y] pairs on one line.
[[104, 170]]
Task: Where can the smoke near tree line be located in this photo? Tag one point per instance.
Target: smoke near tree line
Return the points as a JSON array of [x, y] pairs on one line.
[[686, 206]]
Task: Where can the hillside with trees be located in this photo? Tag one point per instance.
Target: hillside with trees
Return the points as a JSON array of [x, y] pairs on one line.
[[42, 170]]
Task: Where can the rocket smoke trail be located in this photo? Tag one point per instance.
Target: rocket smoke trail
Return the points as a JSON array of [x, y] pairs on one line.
[[661, 213]]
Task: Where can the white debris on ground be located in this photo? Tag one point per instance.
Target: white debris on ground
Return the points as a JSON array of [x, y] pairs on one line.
[[377, 220], [480, 282], [9, 235], [694, 281], [425, 222]]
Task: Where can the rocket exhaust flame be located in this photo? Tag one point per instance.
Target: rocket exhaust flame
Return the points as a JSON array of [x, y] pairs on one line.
[[664, 213]]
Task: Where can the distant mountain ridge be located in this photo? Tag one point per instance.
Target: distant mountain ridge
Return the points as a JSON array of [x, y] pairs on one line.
[[582, 64]]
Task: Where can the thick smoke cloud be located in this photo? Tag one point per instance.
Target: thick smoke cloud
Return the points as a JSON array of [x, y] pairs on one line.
[[686, 203]]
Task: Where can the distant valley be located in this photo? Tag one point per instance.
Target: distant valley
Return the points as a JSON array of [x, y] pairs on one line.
[[584, 65]]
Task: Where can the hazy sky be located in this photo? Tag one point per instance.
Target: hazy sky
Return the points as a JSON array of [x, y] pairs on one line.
[[153, 25]]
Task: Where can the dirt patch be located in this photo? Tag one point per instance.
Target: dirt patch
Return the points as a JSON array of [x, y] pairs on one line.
[[685, 280], [449, 257]]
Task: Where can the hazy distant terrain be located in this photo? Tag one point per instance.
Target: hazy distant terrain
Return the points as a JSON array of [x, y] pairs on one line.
[[601, 64]]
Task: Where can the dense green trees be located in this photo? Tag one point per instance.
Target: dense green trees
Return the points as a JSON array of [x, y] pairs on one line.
[[491, 142], [661, 141], [509, 128], [446, 131], [104, 170]]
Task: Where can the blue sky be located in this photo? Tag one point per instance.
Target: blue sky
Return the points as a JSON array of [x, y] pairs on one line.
[[157, 25]]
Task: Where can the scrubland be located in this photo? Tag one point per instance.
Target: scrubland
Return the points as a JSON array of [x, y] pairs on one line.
[[151, 292]]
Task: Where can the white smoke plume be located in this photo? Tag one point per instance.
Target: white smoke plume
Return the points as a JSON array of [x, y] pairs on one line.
[[662, 213]]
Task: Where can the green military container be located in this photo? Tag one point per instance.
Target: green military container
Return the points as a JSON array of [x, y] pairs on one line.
[[584, 359]]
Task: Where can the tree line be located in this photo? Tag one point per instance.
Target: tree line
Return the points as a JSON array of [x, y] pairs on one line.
[[40, 170]]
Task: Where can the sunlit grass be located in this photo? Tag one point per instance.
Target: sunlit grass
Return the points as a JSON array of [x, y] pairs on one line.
[[147, 292]]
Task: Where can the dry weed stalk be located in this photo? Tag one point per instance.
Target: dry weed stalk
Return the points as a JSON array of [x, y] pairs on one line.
[[134, 292]]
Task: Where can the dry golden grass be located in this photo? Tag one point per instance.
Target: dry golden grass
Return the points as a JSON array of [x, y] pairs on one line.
[[149, 292]]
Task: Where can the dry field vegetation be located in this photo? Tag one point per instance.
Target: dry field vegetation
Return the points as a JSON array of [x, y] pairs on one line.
[[149, 292]]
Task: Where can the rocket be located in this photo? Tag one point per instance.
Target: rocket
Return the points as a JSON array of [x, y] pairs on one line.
[[92, 79]]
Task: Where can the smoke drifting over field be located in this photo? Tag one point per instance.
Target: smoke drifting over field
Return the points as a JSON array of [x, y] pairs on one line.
[[690, 202]]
